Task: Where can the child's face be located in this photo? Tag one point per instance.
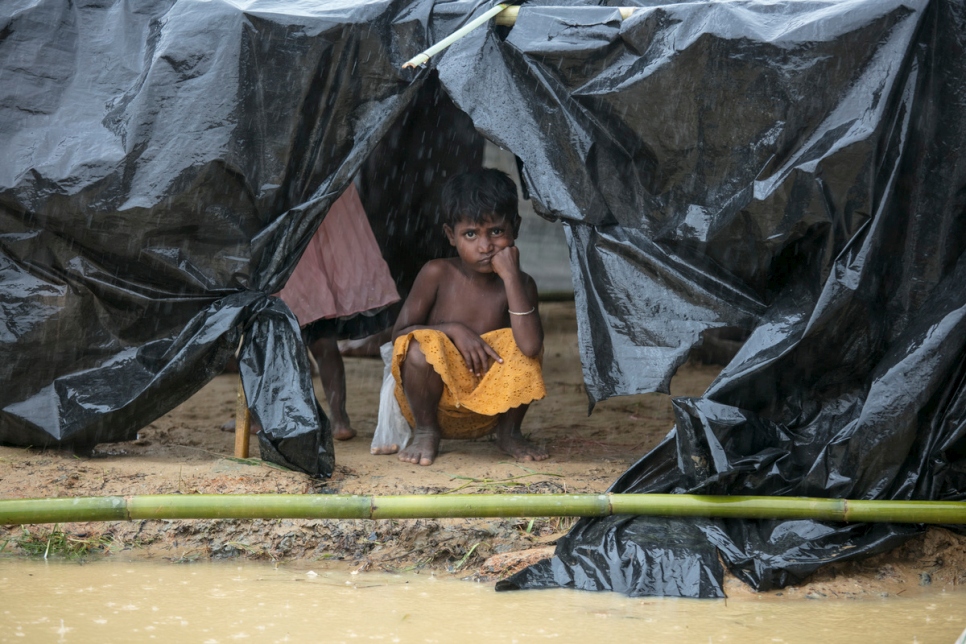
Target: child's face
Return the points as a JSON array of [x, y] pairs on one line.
[[477, 243]]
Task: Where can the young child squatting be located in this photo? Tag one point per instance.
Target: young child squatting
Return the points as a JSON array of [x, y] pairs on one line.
[[468, 342]]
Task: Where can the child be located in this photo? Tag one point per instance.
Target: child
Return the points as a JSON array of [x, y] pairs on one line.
[[468, 340]]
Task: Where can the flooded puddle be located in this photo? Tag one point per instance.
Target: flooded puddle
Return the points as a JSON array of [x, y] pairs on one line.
[[112, 601]]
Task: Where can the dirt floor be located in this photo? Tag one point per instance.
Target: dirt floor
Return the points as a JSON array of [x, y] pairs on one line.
[[187, 452]]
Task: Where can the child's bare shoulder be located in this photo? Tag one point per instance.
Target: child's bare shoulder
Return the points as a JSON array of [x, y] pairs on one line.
[[437, 269]]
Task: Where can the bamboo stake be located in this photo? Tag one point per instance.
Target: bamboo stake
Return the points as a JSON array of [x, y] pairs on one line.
[[243, 423], [331, 506]]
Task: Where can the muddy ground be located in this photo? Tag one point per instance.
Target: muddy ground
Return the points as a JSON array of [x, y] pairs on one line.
[[186, 452]]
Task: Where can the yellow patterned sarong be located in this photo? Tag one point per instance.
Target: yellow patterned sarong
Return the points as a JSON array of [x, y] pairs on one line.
[[470, 406]]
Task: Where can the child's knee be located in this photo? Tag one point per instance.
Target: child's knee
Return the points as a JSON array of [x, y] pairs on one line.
[[415, 356]]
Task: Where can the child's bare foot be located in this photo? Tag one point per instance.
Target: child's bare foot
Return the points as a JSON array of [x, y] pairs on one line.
[[342, 432], [510, 440], [521, 449], [423, 448], [384, 449]]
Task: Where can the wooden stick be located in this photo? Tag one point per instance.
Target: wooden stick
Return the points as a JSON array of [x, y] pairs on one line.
[[243, 423]]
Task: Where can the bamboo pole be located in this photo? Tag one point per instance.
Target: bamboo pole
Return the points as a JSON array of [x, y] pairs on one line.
[[423, 58], [504, 15], [331, 506], [243, 423], [508, 17]]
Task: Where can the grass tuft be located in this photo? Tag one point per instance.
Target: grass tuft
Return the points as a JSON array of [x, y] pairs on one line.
[[57, 543]]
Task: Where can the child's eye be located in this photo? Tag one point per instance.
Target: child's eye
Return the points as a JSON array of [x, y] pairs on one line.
[[470, 234], [496, 232]]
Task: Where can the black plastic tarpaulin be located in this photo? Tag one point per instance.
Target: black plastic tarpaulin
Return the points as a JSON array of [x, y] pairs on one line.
[[162, 166], [797, 169]]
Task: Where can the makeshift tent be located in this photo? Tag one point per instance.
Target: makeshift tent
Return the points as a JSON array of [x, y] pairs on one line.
[[795, 169]]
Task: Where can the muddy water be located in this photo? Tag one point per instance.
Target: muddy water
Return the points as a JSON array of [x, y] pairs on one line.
[[111, 601]]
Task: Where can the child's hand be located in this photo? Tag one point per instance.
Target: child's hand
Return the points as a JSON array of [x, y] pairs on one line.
[[476, 353], [506, 263]]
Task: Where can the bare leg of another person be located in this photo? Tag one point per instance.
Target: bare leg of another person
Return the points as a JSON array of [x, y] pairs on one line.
[[423, 388], [332, 374], [510, 439]]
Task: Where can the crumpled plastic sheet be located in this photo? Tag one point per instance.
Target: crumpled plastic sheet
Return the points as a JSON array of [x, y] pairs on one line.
[[164, 165], [794, 169]]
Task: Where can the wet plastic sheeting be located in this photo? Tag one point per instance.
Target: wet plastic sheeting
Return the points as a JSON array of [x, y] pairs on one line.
[[797, 169], [642, 308], [671, 555], [739, 142], [163, 166]]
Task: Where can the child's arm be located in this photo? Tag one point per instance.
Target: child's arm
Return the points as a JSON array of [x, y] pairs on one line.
[[416, 311], [419, 303], [521, 297]]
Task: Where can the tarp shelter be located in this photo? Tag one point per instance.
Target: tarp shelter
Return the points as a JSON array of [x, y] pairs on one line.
[[796, 169]]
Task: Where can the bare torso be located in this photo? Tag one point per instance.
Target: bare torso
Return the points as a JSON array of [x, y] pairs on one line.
[[475, 300]]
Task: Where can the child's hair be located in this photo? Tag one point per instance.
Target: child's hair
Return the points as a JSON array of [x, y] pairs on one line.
[[479, 194]]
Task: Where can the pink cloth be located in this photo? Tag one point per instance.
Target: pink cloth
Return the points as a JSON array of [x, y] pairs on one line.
[[342, 271]]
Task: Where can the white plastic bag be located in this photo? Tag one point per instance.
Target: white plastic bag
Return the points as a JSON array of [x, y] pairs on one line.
[[393, 432]]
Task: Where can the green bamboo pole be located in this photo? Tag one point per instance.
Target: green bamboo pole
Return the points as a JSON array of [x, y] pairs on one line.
[[331, 506]]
